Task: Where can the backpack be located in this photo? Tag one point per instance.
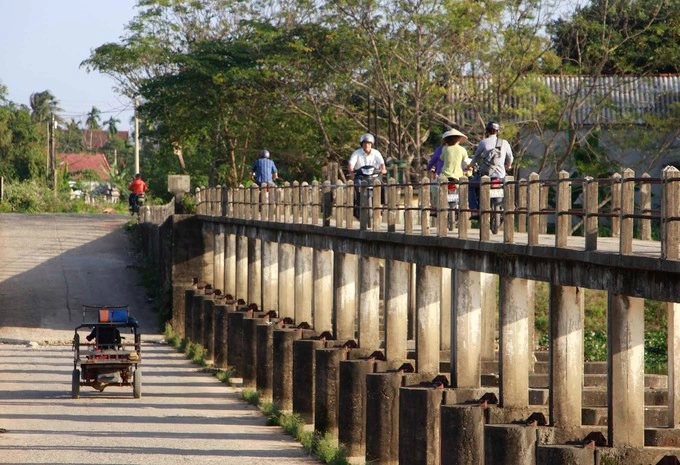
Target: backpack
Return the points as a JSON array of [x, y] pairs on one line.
[[491, 158]]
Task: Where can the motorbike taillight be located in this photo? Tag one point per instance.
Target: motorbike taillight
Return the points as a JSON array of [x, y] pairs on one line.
[[496, 183], [452, 187]]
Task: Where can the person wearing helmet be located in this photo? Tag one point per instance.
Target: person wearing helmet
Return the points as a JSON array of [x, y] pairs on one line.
[[492, 158], [264, 169], [366, 155], [136, 187]]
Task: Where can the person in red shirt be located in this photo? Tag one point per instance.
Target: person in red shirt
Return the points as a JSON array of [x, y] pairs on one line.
[[136, 187]]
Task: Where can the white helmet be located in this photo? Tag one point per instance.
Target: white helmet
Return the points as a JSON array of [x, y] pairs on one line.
[[264, 154], [368, 137]]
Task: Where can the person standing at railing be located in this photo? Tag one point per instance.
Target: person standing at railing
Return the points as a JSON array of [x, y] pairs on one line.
[[264, 169], [434, 169], [366, 155], [492, 158]]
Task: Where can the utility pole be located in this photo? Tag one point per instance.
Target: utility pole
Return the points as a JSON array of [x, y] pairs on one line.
[[136, 136], [53, 160]]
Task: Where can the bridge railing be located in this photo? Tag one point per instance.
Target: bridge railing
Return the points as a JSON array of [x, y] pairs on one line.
[[565, 212]]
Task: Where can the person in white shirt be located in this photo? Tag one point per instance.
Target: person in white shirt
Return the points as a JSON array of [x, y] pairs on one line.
[[366, 155]]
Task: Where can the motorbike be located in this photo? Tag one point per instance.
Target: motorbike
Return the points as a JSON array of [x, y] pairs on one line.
[[137, 204], [496, 194], [453, 199], [363, 186]]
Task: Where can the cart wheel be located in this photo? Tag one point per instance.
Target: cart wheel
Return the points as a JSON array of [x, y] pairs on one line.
[[137, 384], [75, 383]]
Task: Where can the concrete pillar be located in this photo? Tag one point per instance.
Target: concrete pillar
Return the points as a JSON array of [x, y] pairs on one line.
[[510, 445], [197, 318], [566, 355], [188, 323], [221, 336], [218, 256], [352, 405], [229, 286], [462, 435], [466, 346], [303, 285], [209, 329], [254, 272], [286, 280], [369, 302], [673, 312], [514, 343], [346, 269], [397, 277], [270, 276], [265, 360], [626, 360], [282, 375], [235, 340], [323, 290], [446, 310], [419, 425], [428, 290], [250, 361], [207, 259], [178, 309], [382, 417], [488, 284], [242, 267], [327, 385], [304, 372]]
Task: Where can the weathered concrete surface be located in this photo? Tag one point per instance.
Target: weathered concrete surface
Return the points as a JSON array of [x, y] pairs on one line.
[[184, 416]]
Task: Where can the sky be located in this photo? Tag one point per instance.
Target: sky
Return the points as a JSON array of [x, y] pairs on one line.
[[43, 42]]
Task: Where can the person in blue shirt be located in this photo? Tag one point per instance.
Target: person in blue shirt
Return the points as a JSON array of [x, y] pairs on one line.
[[264, 169]]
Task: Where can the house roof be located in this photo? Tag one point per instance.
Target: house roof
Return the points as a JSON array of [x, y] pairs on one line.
[[78, 162], [96, 138]]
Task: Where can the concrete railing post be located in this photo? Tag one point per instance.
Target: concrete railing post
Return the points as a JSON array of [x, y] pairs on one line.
[[627, 210], [616, 204], [534, 209], [522, 204], [645, 208], [562, 213], [670, 207], [590, 206]]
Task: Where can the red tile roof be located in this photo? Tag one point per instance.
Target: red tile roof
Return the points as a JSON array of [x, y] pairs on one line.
[[96, 139], [79, 162]]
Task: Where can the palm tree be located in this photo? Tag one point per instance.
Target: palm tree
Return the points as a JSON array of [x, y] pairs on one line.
[[43, 104], [93, 117], [111, 123]]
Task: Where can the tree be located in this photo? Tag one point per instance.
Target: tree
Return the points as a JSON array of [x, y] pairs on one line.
[[111, 124], [43, 106], [93, 117]]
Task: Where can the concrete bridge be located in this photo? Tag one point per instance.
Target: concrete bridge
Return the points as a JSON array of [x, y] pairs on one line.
[[410, 340]]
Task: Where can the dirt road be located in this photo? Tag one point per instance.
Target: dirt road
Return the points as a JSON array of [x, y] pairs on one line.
[[49, 266]]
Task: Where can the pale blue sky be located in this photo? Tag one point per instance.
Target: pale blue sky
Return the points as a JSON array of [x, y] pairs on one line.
[[43, 42]]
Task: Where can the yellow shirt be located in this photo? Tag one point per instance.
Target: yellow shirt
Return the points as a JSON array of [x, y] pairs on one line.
[[453, 156]]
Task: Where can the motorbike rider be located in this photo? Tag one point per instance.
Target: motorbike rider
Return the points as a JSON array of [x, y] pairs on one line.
[[492, 158], [136, 187], [366, 155]]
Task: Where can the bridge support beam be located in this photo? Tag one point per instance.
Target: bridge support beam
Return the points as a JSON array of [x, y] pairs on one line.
[[270, 276], [207, 235], [397, 277], [369, 303], [467, 326], [446, 310], [286, 280], [428, 308], [218, 256], [514, 343], [242, 267], [673, 311], [230, 264], [303, 288], [566, 355], [626, 360], [255, 272], [323, 290], [488, 283], [346, 269]]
